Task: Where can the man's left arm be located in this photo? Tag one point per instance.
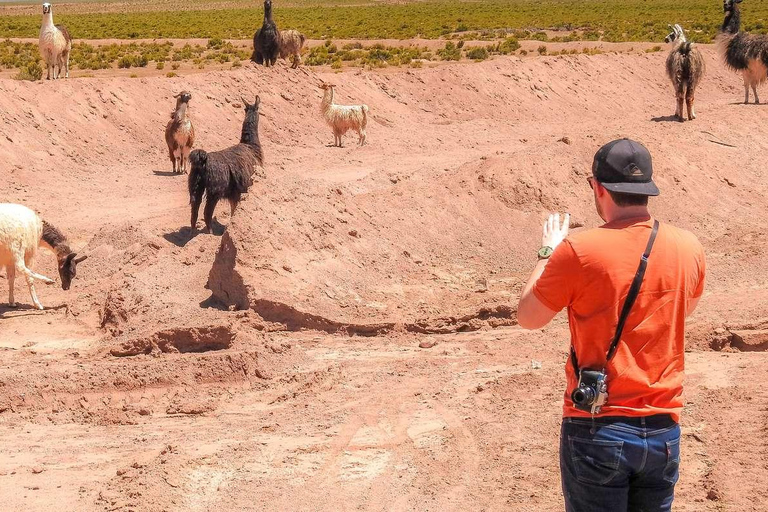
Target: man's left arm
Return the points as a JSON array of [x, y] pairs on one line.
[[532, 312]]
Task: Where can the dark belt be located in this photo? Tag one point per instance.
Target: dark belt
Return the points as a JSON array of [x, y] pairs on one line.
[[655, 421]]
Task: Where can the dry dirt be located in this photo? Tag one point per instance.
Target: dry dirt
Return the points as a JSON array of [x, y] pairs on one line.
[[277, 364]]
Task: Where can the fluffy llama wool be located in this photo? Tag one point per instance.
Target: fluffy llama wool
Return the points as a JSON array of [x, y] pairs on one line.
[[55, 44], [180, 134], [21, 233], [291, 43], [342, 118], [743, 52], [685, 68]]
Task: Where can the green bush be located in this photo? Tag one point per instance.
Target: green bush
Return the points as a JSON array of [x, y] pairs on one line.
[[542, 50], [477, 53], [215, 43], [450, 52], [32, 71], [509, 45]]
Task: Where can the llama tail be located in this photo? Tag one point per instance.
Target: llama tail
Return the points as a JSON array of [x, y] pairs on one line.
[[685, 48], [365, 115], [197, 176]]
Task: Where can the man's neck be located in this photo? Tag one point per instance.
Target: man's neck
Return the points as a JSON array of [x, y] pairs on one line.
[[628, 212]]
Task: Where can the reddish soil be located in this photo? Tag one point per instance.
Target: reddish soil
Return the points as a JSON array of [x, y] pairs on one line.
[[276, 363]]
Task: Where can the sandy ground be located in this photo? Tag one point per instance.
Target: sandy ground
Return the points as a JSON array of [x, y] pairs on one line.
[[276, 363]]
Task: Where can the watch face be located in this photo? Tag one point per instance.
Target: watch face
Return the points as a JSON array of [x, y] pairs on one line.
[[545, 252]]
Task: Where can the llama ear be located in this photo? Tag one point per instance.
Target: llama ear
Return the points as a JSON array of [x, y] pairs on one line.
[[679, 28], [258, 101], [176, 95], [81, 258], [245, 103]]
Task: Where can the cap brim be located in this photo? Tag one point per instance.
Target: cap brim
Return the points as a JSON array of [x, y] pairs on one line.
[[636, 189]]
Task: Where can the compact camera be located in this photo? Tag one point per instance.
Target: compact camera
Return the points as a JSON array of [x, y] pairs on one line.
[[592, 392]]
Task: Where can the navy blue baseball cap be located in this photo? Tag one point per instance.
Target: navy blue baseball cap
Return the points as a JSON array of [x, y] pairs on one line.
[[625, 166]]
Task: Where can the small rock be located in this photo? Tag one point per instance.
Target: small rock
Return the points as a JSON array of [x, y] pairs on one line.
[[354, 233], [536, 365], [714, 495], [480, 388], [427, 344], [565, 140], [37, 470]]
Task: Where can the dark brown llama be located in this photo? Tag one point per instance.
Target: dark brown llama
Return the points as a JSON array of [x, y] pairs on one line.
[[226, 174], [266, 41], [743, 52]]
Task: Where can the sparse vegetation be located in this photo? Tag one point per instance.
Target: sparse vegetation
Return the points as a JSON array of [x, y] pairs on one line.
[[15, 55], [618, 20]]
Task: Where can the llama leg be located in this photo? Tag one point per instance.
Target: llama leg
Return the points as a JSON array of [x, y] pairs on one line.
[[67, 68], [196, 201], [10, 273], [30, 277], [234, 201], [746, 90], [24, 269], [48, 76], [689, 103], [184, 160], [754, 89], [210, 206]]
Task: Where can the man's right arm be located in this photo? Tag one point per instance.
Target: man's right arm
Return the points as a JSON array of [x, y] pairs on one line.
[[692, 303], [701, 265]]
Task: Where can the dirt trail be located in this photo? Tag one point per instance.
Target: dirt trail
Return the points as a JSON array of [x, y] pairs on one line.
[[186, 371]]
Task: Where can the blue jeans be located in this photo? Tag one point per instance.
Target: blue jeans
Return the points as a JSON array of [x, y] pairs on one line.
[[622, 464]]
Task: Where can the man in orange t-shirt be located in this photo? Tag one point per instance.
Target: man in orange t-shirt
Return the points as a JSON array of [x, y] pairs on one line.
[[625, 456]]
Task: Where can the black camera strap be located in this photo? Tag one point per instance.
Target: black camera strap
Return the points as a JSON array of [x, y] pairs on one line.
[[634, 290]]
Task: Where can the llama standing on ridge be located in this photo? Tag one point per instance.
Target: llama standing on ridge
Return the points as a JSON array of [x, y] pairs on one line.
[[179, 133], [342, 118], [741, 51], [21, 233], [291, 43], [226, 174], [685, 67], [266, 41], [55, 44]]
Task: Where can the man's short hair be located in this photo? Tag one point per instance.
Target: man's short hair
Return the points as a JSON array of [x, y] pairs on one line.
[[628, 199]]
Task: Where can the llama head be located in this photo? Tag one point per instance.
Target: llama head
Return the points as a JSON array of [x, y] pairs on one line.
[[677, 34], [267, 6], [325, 86], [729, 5], [46, 8], [182, 97], [68, 269], [250, 133], [251, 108]]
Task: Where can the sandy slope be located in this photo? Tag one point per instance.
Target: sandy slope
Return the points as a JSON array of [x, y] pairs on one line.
[[240, 390]]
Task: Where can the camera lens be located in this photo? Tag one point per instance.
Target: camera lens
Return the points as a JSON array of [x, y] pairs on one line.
[[583, 395]]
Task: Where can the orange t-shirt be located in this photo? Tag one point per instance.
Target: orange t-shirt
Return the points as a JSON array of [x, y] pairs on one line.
[[590, 273]]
